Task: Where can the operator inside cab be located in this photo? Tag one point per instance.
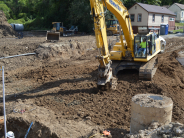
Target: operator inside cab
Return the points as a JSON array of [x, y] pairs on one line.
[[142, 48]]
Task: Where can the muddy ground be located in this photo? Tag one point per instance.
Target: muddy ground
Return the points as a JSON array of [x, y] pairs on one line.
[[63, 87]]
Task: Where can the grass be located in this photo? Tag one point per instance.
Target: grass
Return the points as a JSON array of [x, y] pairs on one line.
[[180, 30], [179, 24]]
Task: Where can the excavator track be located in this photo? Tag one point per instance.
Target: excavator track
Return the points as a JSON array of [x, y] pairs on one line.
[[148, 70]]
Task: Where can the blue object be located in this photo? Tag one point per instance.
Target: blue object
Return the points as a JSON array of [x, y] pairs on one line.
[[164, 29], [12, 26], [18, 27], [143, 50], [28, 129], [57, 26]]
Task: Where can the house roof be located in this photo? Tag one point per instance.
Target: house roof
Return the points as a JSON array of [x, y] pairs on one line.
[[180, 5], [155, 9], [166, 6]]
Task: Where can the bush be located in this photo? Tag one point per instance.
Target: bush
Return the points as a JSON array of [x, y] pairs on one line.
[[19, 21], [5, 9], [22, 15]]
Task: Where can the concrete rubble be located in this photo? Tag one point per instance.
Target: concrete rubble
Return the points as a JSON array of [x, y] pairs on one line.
[[156, 130]]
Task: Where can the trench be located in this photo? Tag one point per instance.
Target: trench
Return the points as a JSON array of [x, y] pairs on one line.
[[19, 127]]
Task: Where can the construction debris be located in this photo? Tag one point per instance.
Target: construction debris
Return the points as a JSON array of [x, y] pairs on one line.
[[156, 130], [148, 107]]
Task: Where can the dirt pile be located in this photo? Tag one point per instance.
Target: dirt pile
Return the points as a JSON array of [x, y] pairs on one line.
[[156, 130], [6, 29], [63, 49]]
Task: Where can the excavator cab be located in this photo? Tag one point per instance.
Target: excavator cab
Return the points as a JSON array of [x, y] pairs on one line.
[[56, 26], [152, 43]]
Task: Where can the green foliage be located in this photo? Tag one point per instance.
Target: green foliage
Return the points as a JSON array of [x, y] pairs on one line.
[[80, 15], [14, 21], [18, 21], [39, 14], [5, 9], [22, 15]]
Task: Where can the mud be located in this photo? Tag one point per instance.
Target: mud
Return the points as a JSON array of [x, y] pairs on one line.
[[67, 87]]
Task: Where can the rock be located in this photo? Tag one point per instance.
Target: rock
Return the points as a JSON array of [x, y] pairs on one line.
[[154, 125], [141, 136], [88, 118], [141, 132], [178, 131], [164, 136]]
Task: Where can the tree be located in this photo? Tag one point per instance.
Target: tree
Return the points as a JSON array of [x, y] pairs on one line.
[[79, 14]]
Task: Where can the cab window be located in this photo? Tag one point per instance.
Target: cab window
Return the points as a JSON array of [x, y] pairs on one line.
[[140, 46], [153, 49], [114, 22]]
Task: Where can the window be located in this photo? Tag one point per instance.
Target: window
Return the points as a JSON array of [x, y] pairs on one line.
[[135, 7], [132, 17], [171, 19], [153, 18], [153, 42], [162, 18], [139, 17], [140, 53], [114, 22], [175, 13]]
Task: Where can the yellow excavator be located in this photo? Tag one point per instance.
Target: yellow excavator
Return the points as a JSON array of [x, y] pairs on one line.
[[128, 53], [112, 27]]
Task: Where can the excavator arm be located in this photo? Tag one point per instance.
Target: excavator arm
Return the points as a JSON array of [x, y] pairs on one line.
[[104, 70], [105, 77]]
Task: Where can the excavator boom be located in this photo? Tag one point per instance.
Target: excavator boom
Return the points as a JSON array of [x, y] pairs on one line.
[[105, 77]]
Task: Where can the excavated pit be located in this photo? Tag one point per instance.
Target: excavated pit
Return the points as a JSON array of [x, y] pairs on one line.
[[20, 126]]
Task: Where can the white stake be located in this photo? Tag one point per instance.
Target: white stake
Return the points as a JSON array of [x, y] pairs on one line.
[[4, 102]]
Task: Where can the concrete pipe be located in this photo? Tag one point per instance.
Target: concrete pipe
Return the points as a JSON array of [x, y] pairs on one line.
[[147, 108]]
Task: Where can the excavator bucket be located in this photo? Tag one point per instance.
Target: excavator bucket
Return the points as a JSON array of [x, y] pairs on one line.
[[52, 35]]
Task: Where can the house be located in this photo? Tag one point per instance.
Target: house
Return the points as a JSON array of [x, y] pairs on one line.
[[151, 16], [178, 9]]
